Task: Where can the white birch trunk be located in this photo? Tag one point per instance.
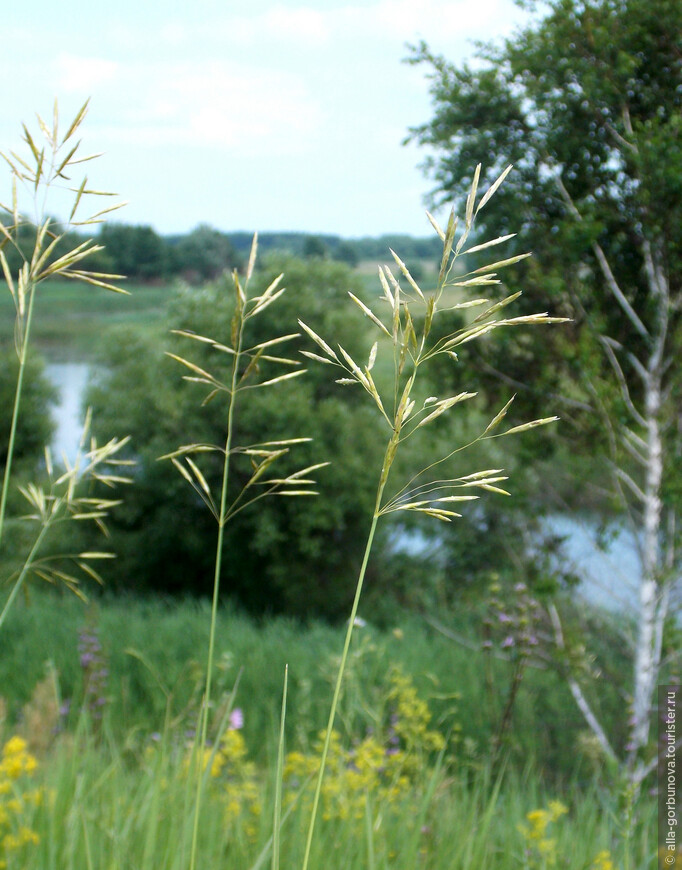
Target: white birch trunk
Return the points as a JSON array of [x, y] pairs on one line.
[[648, 452], [654, 590], [646, 664]]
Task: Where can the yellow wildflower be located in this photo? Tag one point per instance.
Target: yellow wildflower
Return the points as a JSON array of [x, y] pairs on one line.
[[557, 809], [602, 861]]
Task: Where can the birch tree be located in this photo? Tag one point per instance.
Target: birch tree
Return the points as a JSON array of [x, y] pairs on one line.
[[587, 102]]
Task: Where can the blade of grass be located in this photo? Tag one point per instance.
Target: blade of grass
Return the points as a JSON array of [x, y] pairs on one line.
[[279, 777]]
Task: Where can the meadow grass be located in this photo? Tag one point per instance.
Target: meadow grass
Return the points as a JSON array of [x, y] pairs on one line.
[[109, 806], [156, 655], [120, 793], [71, 317]]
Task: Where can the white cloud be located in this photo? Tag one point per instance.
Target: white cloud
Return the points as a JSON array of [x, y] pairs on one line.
[[83, 74], [439, 19], [301, 24], [245, 110], [293, 26], [385, 20]]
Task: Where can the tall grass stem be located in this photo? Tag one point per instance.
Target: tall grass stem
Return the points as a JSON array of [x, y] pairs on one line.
[[346, 646], [15, 411], [26, 567], [279, 775], [216, 588]]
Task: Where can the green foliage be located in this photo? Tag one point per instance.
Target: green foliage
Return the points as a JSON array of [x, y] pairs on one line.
[[34, 426], [585, 103], [135, 251], [347, 253], [313, 246], [156, 651], [203, 255], [277, 556]]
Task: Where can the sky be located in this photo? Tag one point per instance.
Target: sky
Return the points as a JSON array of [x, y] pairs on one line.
[[256, 115]]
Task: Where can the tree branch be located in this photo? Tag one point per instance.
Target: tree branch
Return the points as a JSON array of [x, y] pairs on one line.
[[621, 140], [622, 382], [577, 692], [630, 483], [620, 297], [629, 447]]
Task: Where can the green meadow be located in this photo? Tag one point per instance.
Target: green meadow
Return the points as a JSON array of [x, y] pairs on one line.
[[115, 779], [71, 317]]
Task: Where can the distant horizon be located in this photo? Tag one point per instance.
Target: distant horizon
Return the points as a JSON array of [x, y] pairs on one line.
[[282, 232]]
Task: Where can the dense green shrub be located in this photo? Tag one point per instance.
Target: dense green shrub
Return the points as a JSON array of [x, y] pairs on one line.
[[282, 555]]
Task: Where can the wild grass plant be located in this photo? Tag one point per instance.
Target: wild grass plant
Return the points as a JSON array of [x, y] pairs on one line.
[[47, 165], [248, 369], [426, 492]]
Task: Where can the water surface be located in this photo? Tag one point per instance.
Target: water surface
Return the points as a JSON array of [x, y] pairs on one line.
[[71, 380]]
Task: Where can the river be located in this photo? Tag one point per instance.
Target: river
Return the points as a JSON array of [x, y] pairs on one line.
[[70, 379]]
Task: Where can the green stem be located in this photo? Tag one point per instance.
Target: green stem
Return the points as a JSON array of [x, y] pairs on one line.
[[216, 590], [388, 457], [24, 573], [277, 821], [15, 411], [505, 720]]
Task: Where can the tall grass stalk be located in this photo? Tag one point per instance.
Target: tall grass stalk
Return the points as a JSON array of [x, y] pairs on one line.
[[279, 776], [216, 586], [424, 493], [21, 350], [245, 372], [44, 167]]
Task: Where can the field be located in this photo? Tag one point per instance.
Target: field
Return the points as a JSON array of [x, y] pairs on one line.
[[114, 777], [70, 316], [439, 757]]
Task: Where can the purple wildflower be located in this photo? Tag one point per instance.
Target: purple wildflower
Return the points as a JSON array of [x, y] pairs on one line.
[[236, 719], [95, 672]]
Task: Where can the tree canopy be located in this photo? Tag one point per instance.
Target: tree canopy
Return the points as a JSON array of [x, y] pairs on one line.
[[586, 104]]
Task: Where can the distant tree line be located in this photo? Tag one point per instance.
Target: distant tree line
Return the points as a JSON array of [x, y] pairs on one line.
[[205, 253], [349, 251]]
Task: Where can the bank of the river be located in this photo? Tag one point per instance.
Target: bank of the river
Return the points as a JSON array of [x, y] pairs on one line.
[[70, 318]]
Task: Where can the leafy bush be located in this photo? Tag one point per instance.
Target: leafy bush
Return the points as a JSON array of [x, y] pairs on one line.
[[287, 555]]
